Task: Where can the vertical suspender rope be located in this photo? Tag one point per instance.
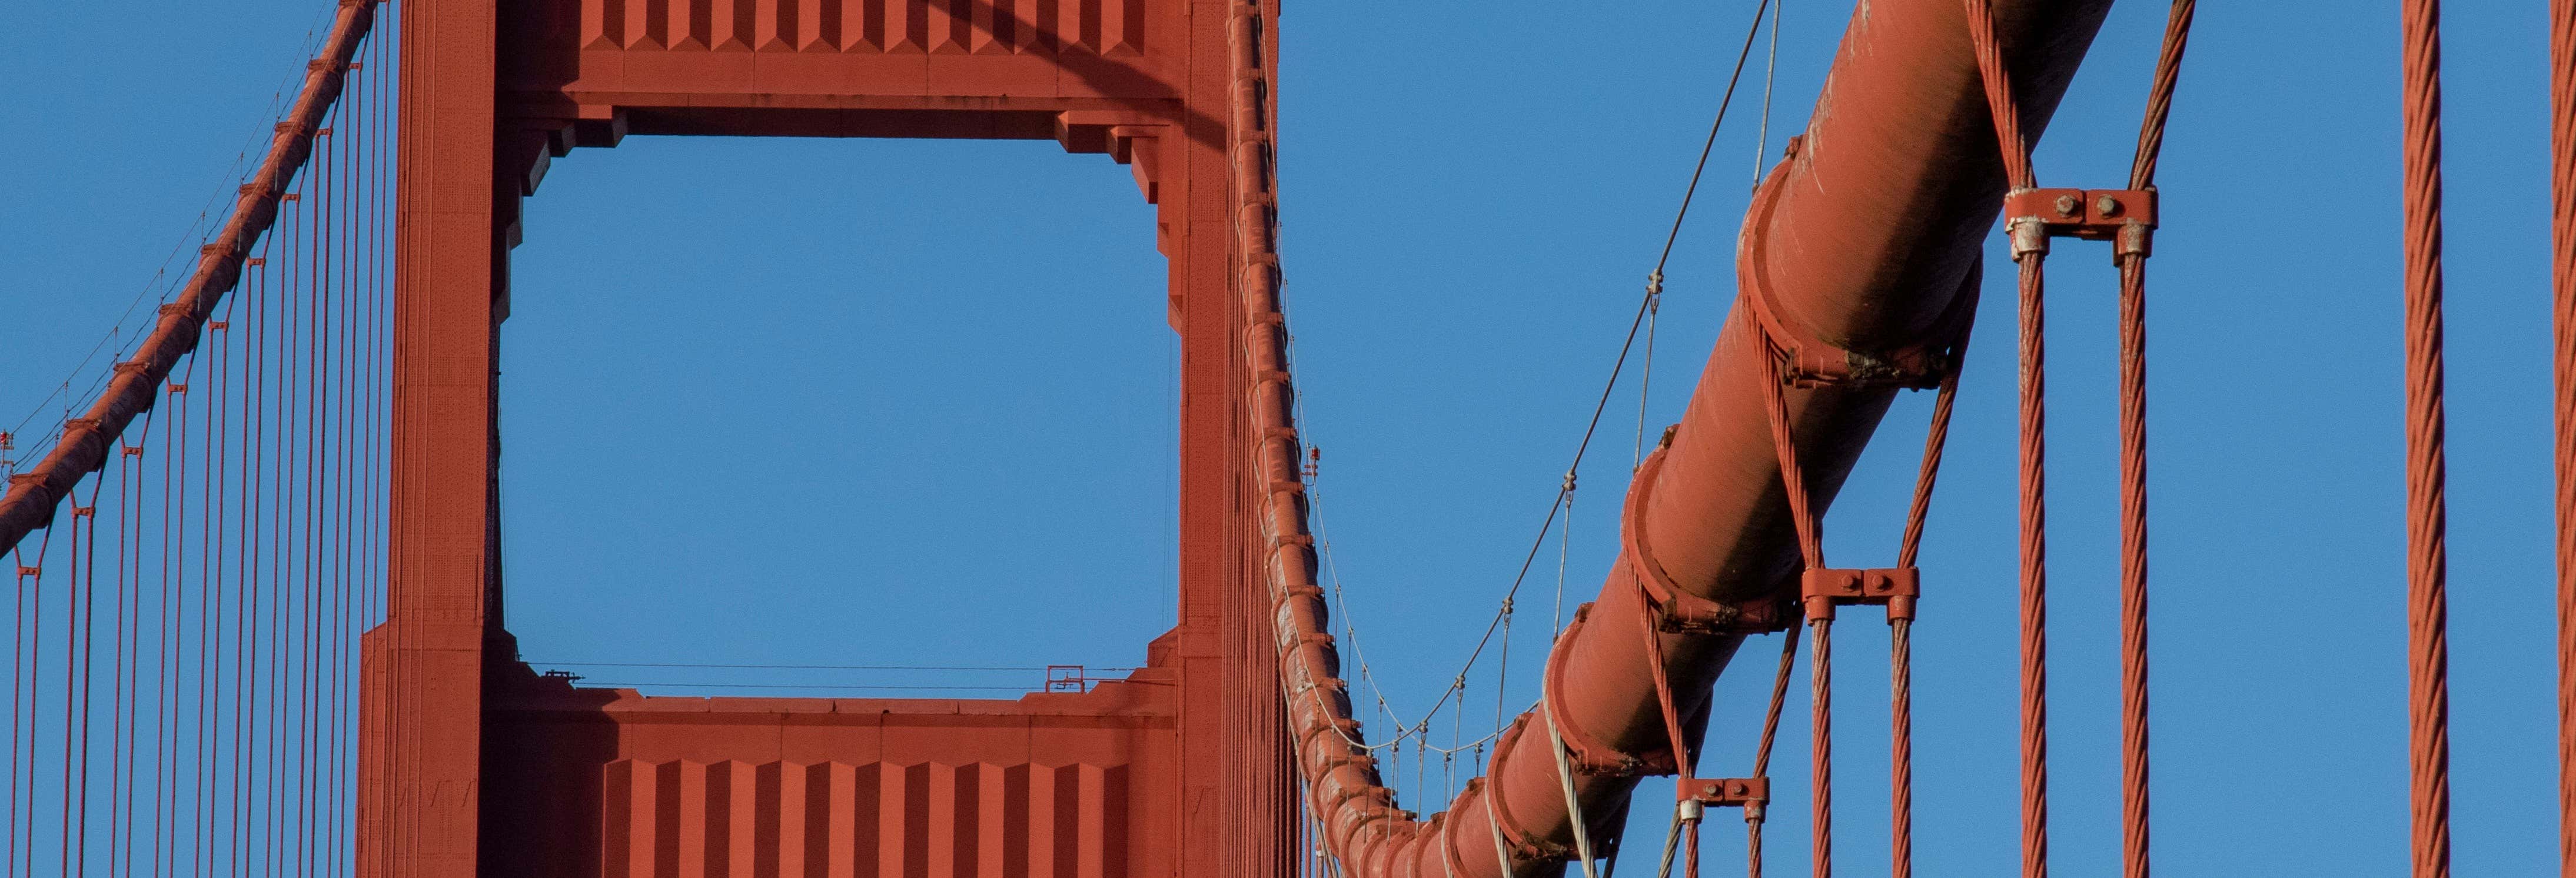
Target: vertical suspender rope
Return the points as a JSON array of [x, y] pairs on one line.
[[1688, 817], [24, 660], [2427, 660], [1812, 557], [1565, 780], [128, 496], [2029, 248], [2029, 236], [1900, 625], [1755, 816], [2131, 251], [1819, 608], [1556, 628], [2562, 245], [1671, 716]]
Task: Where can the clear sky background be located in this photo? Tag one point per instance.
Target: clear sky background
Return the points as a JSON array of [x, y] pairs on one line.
[[912, 403]]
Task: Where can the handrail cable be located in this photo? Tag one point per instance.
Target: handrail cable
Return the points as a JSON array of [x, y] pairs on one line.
[[197, 230], [1645, 306]]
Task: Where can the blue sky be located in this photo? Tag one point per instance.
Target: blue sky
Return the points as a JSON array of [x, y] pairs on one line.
[[911, 403]]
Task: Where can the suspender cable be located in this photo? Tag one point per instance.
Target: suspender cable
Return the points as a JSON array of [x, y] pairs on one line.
[[2131, 253], [2562, 245], [29, 503], [1754, 817], [1715, 540], [2564, 341], [1811, 554], [24, 662], [2427, 659], [2029, 248], [1900, 627]]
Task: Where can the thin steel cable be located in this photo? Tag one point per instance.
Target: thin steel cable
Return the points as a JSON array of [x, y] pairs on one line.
[[1999, 96], [1555, 738], [2135, 792], [1673, 839], [113, 406], [1564, 544], [1500, 624], [1935, 442], [1900, 676], [1565, 781], [2030, 246], [262, 134], [1900, 633], [2427, 659], [1753, 817], [1645, 307], [2562, 245], [2032, 416], [25, 663], [1793, 481], [1770, 74], [1793, 485], [1821, 751], [1741, 55], [1646, 369], [2151, 132], [1673, 737]]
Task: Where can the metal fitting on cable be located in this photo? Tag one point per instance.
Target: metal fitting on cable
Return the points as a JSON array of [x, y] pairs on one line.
[[1654, 285], [2029, 236], [1569, 481], [2136, 239]]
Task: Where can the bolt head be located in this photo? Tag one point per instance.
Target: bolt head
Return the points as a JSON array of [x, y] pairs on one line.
[[2067, 205], [2107, 206]]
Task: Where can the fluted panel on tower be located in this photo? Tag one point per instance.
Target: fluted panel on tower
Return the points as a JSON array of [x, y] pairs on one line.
[[878, 820], [995, 27]]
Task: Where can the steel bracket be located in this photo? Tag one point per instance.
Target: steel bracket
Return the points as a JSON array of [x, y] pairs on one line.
[[1675, 609], [1896, 588], [1806, 360], [1725, 792], [2088, 214]]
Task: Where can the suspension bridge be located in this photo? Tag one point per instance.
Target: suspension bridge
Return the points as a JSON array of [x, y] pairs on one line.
[[258, 622]]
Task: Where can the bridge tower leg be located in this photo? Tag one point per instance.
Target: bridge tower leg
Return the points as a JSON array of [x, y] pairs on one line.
[[1239, 811], [422, 730]]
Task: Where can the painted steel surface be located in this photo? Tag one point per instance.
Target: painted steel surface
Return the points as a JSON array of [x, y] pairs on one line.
[[1876, 229], [493, 93]]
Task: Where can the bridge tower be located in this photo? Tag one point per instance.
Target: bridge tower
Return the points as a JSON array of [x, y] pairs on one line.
[[473, 765]]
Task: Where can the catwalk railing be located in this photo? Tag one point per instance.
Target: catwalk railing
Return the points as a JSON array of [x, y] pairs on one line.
[[196, 553]]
